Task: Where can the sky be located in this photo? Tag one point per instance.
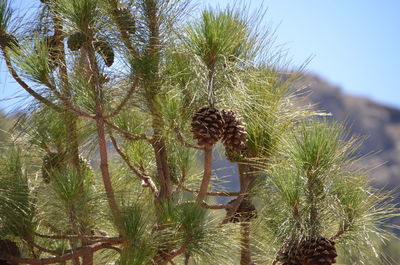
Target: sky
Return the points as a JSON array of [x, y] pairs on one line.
[[354, 44]]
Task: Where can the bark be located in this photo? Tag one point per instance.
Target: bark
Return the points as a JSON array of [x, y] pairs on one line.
[[206, 174], [106, 174], [210, 193], [93, 70], [246, 176], [76, 253], [245, 255]]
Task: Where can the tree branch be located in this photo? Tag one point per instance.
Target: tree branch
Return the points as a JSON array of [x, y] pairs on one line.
[[67, 103], [346, 226], [220, 194], [51, 251], [245, 255], [161, 261], [206, 174], [180, 138], [245, 177], [96, 238], [129, 135], [125, 100], [147, 179], [25, 86], [213, 207], [73, 253]]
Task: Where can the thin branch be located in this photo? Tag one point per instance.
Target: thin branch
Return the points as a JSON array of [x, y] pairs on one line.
[[180, 138], [67, 103], [96, 238], [101, 139], [213, 207], [66, 251], [74, 253], [25, 86], [125, 100], [161, 261], [129, 135], [115, 248], [341, 231], [220, 194], [147, 179], [56, 236], [51, 251]]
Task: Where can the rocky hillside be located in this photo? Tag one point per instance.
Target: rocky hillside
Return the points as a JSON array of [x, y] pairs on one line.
[[378, 123]]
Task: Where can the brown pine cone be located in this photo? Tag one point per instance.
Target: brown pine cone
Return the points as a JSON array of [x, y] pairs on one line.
[[289, 255], [311, 251], [318, 251], [235, 135], [8, 248], [207, 126], [106, 51]]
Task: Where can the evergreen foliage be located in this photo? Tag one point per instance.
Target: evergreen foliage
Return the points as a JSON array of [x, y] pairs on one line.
[[149, 95]]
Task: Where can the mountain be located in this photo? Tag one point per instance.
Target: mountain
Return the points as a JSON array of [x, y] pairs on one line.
[[378, 123]]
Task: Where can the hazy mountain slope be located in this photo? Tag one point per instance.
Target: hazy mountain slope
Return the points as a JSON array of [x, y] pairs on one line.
[[380, 125]]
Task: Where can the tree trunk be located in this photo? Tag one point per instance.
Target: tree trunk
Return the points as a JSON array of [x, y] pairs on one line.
[[245, 255]]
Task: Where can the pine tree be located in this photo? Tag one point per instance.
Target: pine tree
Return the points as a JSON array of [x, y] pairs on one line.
[[112, 163]]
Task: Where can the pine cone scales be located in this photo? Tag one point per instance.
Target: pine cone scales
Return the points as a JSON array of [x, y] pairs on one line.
[[319, 251], [312, 251], [207, 126], [235, 135], [8, 248], [125, 20]]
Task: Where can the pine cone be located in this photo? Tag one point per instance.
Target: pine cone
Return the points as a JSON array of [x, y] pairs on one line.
[[106, 51], [207, 126], [75, 41], [125, 20], [318, 251], [312, 251], [245, 212], [8, 248], [53, 50], [289, 254], [235, 135]]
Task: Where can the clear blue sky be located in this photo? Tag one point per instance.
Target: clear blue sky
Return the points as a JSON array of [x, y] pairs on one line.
[[355, 44]]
